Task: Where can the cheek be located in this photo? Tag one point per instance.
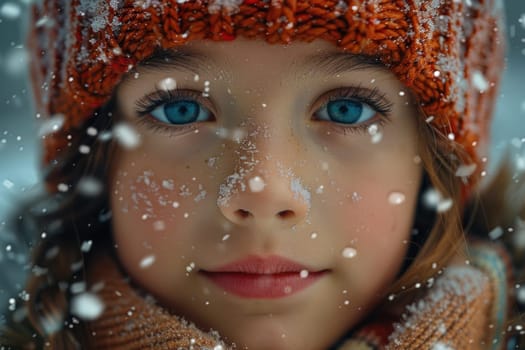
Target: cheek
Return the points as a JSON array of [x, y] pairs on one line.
[[154, 214]]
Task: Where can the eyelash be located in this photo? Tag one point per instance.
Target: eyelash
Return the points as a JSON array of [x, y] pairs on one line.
[[371, 97], [147, 104]]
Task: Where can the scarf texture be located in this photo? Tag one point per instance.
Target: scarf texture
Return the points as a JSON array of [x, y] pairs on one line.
[[464, 308]]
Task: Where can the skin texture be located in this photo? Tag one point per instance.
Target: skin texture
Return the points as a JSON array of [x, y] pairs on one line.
[[174, 197]]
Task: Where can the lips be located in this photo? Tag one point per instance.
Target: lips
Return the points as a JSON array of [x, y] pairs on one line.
[[270, 277]]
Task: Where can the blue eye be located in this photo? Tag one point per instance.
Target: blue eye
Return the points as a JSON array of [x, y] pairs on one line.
[[181, 112], [346, 111]]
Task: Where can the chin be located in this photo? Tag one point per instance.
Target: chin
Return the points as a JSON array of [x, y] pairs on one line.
[[271, 334]]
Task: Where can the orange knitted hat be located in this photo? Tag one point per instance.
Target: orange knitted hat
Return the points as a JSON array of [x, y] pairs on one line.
[[447, 52]]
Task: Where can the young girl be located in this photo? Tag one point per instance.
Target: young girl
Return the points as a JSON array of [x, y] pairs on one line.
[[267, 175]]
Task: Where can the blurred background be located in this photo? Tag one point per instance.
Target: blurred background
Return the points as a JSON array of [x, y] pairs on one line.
[[20, 153]]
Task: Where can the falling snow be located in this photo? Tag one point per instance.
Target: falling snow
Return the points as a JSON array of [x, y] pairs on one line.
[[147, 261], [256, 184], [167, 84], [126, 136], [230, 6], [466, 170], [51, 125], [10, 10], [396, 198], [496, 233], [479, 81], [349, 253], [87, 306]]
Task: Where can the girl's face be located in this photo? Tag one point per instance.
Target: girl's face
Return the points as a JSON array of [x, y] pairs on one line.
[[272, 194]]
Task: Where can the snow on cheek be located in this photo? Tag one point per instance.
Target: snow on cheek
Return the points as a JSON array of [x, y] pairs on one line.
[[126, 136], [300, 191], [157, 199]]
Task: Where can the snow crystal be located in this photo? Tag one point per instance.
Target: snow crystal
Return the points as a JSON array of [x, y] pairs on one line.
[[78, 287], [89, 186], [256, 184], [87, 306], [434, 200], [299, 190], [303, 273], [520, 295], [86, 246], [62, 187], [231, 6], [51, 125], [441, 346], [201, 195], [375, 133], [396, 198], [349, 253], [8, 184], [105, 135], [496, 233], [444, 205], [522, 20], [466, 170], [10, 10], [168, 184], [167, 84], [98, 11], [159, 225], [238, 135], [16, 61], [190, 267], [313, 235], [126, 135], [479, 81], [147, 261], [84, 149]]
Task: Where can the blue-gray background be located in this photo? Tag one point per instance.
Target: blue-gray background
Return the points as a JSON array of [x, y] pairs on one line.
[[19, 150]]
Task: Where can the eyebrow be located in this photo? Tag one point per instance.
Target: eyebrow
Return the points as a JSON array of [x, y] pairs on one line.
[[324, 63], [181, 59], [334, 63]]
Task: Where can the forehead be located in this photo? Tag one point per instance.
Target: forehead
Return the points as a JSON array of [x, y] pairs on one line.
[[247, 56]]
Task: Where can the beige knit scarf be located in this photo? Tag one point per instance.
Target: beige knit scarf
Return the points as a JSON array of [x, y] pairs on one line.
[[455, 313]]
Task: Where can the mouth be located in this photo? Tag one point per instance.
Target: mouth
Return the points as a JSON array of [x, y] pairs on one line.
[[264, 278]]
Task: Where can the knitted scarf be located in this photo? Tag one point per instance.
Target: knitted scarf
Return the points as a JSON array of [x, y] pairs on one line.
[[463, 308]]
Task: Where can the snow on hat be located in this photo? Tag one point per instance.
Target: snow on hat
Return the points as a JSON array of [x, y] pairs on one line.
[[449, 53]]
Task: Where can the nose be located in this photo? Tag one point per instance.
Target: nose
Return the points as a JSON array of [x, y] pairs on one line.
[[264, 190]]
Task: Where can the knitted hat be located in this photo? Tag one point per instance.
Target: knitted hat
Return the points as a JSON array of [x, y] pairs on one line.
[[447, 52]]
